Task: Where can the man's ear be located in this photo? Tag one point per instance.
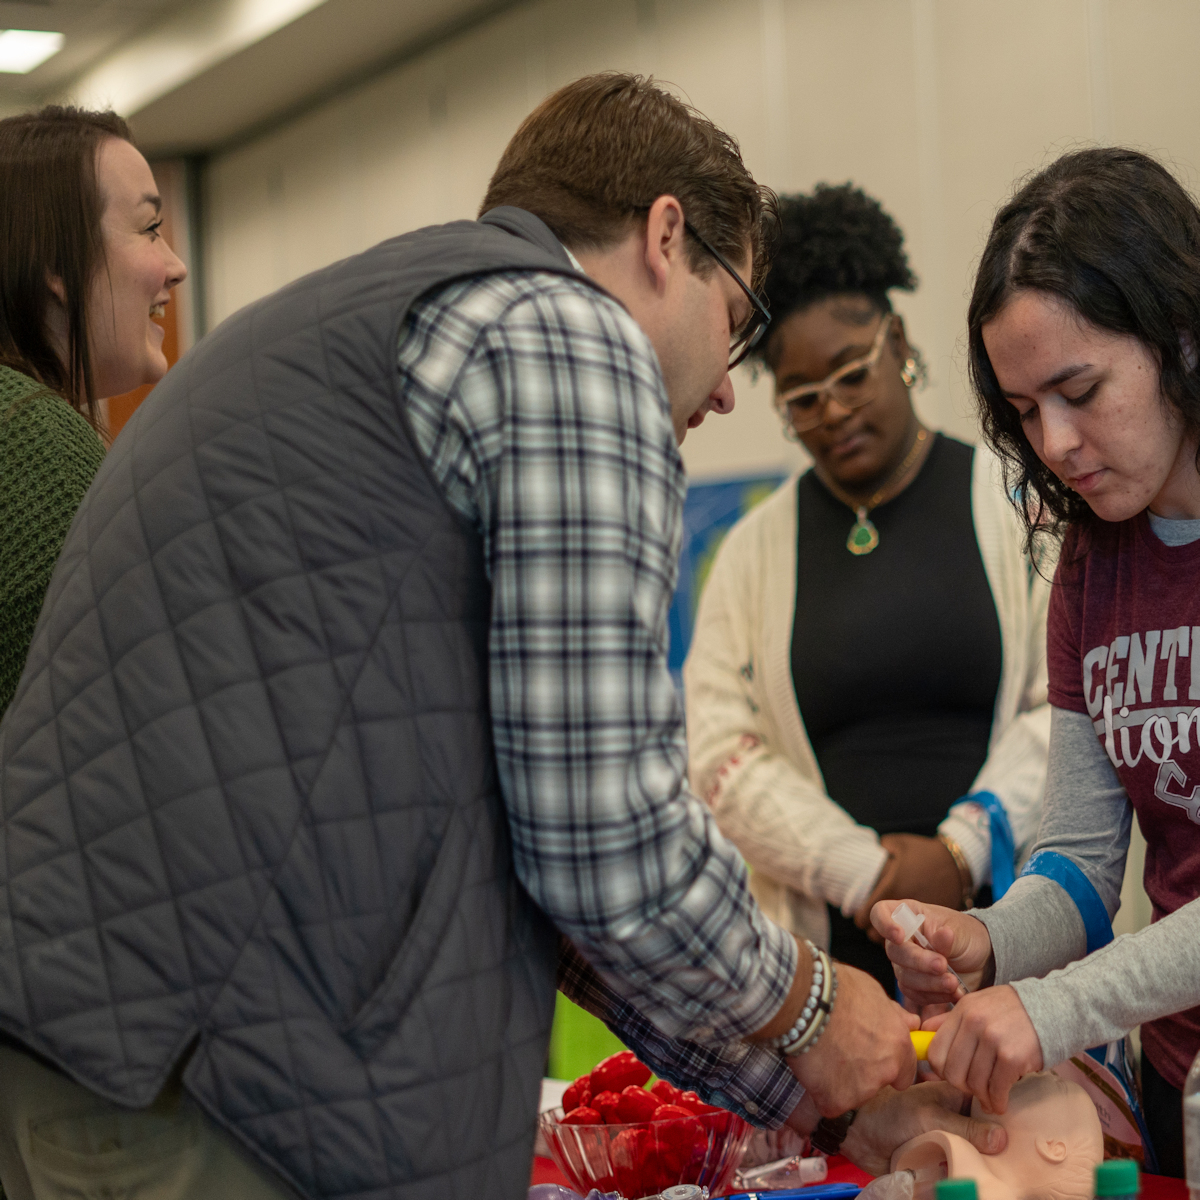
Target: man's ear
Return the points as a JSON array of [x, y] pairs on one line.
[[1051, 1149], [665, 235]]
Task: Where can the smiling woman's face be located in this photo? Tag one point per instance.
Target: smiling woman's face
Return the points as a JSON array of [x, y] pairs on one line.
[[134, 282], [1092, 409], [858, 448]]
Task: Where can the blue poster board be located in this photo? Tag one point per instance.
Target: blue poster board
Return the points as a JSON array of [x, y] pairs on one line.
[[709, 512]]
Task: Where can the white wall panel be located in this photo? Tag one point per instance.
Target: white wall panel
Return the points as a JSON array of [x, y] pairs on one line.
[[935, 106]]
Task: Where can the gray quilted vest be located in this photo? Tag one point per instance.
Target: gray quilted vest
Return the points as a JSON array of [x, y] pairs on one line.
[[250, 808]]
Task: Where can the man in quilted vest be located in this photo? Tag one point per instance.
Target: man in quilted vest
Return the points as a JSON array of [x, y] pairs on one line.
[[349, 699]]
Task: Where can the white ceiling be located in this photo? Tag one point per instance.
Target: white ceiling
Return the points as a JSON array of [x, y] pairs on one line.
[[197, 75], [94, 28], [337, 42]]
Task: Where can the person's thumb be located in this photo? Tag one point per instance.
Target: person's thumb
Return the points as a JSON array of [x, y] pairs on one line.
[[986, 1136], [942, 939]]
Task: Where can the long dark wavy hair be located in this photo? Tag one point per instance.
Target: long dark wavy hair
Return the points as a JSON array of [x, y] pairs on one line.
[[50, 227], [1113, 234]]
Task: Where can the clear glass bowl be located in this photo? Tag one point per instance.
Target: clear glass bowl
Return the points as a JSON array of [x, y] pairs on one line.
[[650, 1156]]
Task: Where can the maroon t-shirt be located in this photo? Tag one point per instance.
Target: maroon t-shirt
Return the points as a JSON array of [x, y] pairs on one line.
[[1124, 647]]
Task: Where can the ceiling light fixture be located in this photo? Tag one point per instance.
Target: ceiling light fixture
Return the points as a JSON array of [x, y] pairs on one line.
[[23, 49]]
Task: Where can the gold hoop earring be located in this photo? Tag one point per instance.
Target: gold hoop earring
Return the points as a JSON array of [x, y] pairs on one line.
[[908, 373]]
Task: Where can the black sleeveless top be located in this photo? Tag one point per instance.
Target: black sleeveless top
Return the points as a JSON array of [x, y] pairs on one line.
[[896, 657]]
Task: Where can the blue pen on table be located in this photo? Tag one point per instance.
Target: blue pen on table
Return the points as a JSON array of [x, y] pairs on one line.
[[816, 1191]]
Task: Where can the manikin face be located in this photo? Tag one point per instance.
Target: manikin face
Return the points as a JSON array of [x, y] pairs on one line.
[[1054, 1138], [1054, 1143], [1092, 409], [135, 281]]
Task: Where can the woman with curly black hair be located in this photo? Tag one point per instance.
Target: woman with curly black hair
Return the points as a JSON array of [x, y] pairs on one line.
[[866, 688]]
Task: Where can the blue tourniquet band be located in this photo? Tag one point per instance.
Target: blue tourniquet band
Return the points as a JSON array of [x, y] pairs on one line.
[[1067, 875], [1004, 852]]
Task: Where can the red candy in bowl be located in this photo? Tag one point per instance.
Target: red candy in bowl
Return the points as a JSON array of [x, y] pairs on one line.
[[646, 1157]]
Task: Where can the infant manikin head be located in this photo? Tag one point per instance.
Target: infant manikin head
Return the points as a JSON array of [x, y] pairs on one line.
[[1054, 1144]]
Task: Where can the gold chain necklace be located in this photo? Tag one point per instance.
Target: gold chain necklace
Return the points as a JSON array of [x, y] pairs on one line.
[[864, 537]]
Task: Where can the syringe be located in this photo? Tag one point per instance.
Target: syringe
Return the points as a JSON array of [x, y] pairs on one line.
[[911, 924]]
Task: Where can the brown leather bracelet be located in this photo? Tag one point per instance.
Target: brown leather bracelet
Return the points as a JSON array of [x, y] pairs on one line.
[[964, 871]]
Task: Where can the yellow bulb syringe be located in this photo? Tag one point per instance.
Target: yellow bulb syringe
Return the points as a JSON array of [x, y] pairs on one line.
[[920, 1040]]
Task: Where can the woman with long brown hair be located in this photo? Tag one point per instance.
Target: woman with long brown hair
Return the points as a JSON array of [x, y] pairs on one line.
[[83, 271]]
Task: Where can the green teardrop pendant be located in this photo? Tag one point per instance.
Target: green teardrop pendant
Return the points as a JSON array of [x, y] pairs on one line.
[[864, 537]]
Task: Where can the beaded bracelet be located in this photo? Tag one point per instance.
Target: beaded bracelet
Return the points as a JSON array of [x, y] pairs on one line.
[[814, 992], [813, 1036], [815, 1013]]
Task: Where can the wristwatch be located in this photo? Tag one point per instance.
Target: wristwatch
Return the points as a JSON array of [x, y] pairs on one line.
[[831, 1132]]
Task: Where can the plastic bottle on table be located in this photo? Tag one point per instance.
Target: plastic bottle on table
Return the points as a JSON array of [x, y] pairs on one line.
[[1116, 1178], [956, 1189], [782, 1173], [1191, 1128]]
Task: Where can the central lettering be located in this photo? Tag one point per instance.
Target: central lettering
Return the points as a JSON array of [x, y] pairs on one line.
[[1174, 642], [1140, 682]]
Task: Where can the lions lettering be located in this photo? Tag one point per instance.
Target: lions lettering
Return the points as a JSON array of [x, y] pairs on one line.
[[1132, 690]]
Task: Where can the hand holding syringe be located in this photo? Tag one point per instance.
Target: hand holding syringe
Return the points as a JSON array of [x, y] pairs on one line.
[[911, 924]]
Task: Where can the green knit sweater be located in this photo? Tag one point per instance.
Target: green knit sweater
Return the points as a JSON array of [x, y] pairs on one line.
[[48, 457]]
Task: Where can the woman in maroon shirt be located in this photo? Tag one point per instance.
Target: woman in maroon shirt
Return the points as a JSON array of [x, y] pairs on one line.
[[1084, 327]]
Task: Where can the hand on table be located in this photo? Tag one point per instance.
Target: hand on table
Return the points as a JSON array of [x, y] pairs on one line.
[[864, 1047], [919, 867], [985, 1044], [893, 1118], [958, 941]]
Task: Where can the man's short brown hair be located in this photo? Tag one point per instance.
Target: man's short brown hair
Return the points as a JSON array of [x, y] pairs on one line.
[[593, 157]]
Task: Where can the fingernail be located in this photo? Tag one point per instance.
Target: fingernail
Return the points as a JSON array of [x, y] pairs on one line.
[[993, 1140]]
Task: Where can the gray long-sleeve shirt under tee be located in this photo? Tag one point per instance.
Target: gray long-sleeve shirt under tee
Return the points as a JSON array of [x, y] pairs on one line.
[[1073, 1001]]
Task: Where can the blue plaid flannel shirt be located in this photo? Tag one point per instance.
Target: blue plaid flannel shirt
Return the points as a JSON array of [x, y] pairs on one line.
[[539, 406]]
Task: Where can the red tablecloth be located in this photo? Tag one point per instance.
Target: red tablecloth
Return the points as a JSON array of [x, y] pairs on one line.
[[544, 1171], [1162, 1187], [1154, 1187], [840, 1171]]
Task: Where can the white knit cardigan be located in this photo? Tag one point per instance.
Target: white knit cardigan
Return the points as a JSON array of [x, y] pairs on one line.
[[749, 755]]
